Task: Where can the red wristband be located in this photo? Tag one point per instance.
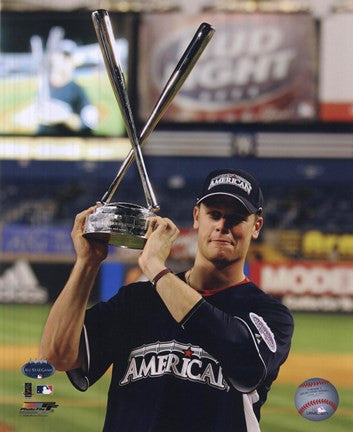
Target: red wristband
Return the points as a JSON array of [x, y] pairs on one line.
[[160, 275]]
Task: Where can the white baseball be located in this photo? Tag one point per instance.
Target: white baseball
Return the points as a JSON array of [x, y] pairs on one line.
[[316, 399]]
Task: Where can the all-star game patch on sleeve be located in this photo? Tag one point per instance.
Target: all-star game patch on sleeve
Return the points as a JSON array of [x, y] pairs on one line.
[[100, 340]]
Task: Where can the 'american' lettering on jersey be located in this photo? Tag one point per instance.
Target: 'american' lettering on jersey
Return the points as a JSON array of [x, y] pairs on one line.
[[183, 361]]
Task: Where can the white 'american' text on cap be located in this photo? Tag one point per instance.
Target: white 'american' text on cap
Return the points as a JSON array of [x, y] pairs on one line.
[[231, 179]]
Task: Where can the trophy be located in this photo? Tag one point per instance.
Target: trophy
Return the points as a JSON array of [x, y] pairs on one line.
[[125, 224]]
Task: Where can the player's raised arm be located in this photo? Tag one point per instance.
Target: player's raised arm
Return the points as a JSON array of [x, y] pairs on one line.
[[61, 335], [152, 263]]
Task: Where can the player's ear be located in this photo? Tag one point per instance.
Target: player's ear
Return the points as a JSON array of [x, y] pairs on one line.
[[196, 217], [258, 224]]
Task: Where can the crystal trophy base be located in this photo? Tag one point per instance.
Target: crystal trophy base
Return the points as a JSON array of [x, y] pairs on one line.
[[120, 224]]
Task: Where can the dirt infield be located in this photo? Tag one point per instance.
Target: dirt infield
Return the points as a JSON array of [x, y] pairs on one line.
[[5, 428], [13, 357], [337, 368]]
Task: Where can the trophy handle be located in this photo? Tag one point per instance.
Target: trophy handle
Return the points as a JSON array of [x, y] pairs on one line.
[[106, 41], [186, 63]]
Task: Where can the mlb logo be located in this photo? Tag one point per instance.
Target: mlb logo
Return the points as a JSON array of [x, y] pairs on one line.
[[321, 410], [45, 389]]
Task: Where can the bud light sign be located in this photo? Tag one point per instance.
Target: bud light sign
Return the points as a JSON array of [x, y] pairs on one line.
[[38, 369], [256, 67]]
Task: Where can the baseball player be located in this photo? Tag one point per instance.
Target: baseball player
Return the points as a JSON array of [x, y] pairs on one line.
[[195, 351], [67, 109]]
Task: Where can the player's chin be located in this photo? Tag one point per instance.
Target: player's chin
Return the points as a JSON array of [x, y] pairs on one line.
[[222, 253]]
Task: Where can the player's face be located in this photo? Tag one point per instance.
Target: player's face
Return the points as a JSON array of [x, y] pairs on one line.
[[224, 229], [62, 63]]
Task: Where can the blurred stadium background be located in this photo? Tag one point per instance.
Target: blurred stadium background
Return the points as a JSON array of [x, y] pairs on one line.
[[272, 94]]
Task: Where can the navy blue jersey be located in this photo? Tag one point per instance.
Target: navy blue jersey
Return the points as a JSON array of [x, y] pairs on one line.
[[209, 373]]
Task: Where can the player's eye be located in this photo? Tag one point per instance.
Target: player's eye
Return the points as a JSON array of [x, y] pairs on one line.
[[235, 220], [214, 214]]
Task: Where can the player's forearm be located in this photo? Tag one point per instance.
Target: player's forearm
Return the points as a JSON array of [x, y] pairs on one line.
[[179, 297], [61, 336]]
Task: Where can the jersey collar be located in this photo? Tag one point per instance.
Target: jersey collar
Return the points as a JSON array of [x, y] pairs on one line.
[[207, 293]]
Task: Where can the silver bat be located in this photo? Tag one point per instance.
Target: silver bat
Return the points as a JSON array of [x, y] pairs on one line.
[[106, 41]]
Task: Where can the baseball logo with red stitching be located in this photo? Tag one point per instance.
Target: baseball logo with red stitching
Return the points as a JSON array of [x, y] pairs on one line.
[[316, 399]]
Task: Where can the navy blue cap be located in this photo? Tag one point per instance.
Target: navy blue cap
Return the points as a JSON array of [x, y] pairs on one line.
[[236, 183]]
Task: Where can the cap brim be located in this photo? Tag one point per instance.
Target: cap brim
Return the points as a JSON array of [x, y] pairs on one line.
[[247, 204]]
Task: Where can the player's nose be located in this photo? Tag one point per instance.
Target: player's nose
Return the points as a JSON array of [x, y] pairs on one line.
[[222, 225]]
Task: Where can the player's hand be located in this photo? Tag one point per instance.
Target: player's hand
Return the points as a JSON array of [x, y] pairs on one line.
[[91, 251], [161, 235]]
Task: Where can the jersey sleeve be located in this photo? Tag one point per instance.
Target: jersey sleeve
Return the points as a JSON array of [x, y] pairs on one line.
[[272, 325], [101, 337], [249, 345]]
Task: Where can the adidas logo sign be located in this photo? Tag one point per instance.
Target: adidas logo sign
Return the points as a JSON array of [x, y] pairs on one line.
[[19, 284]]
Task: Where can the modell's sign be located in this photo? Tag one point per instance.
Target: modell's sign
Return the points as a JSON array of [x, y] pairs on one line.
[[307, 285], [257, 67]]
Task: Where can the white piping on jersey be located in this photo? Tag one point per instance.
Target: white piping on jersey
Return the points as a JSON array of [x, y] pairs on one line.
[[87, 349], [252, 425], [76, 375], [196, 307]]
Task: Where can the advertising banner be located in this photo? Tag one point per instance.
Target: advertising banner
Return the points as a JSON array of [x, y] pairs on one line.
[[336, 69], [257, 67], [25, 282], [36, 239], [307, 285]]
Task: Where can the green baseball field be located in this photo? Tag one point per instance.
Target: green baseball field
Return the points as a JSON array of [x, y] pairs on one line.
[[322, 347]]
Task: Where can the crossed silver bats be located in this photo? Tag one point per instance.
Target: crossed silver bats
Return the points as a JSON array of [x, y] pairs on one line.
[[192, 53]]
